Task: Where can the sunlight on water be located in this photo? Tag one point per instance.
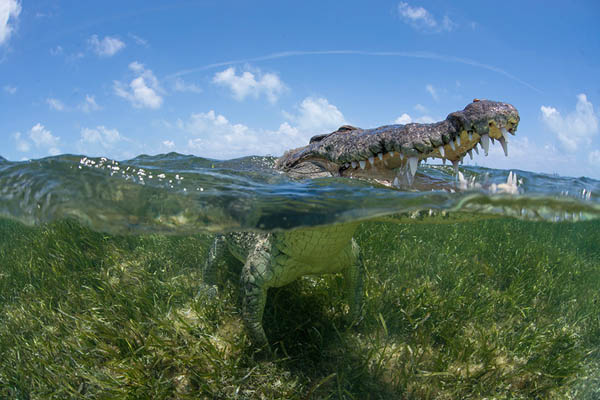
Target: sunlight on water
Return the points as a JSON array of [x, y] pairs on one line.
[[174, 193]]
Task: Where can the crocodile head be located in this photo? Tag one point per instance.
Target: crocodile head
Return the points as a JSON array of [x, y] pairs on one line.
[[390, 154]]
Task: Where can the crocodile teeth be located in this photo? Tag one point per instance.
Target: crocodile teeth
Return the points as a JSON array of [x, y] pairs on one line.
[[504, 133], [504, 146], [492, 139], [485, 143], [470, 136], [391, 154], [470, 154], [346, 165], [412, 163], [371, 160], [458, 140], [441, 150], [353, 163], [401, 156], [380, 156], [476, 149], [362, 164], [455, 165], [452, 146]]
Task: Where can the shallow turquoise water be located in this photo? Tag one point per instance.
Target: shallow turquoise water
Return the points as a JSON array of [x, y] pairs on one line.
[[174, 193]]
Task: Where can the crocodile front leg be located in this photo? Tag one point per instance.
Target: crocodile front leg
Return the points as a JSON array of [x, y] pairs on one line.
[[255, 279], [266, 266]]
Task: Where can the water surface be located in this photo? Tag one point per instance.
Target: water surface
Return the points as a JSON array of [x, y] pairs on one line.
[[174, 193]]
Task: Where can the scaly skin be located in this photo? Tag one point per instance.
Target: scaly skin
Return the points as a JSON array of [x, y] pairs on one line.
[[384, 154]]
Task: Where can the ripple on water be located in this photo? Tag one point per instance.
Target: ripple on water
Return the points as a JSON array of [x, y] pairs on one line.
[[174, 193]]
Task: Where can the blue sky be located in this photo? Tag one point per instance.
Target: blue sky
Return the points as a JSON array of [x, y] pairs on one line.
[[224, 79]]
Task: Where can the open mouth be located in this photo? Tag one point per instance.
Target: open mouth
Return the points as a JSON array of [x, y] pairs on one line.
[[396, 168]]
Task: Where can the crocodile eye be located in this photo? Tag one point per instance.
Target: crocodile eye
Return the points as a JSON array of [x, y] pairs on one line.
[[491, 124]]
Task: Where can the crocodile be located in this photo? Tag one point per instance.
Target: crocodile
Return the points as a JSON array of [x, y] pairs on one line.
[[389, 155]]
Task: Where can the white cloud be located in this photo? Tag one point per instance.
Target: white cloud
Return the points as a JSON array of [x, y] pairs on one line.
[[531, 155], [102, 141], [290, 132], [143, 91], [431, 90], [107, 47], [10, 89], [212, 135], [22, 144], [137, 67], [421, 19], [425, 119], [44, 140], [181, 86], [55, 104], [101, 136], [9, 12], [594, 158], [420, 108], [169, 144], [138, 40], [403, 119], [315, 116], [89, 104], [577, 127], [75, 56], [248, 84], [416, 15], [448, 24], [407, 119]]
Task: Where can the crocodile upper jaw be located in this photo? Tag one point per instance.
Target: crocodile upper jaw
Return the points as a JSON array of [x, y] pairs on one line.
[[390, 154]]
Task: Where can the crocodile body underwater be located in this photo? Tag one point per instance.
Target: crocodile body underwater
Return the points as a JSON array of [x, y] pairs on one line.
[[389, 155]]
